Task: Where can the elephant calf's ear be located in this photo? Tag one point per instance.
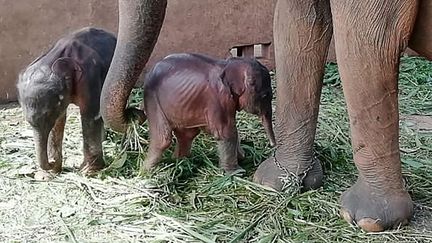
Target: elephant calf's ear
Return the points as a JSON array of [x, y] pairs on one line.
[[234, 77], [66, 67]]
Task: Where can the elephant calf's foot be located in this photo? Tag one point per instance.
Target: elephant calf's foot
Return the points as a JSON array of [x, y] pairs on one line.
[[89, 167], [269, 174], [238, 171], [49, 170], [373, 211], [43, 175], [52, 165], [233, 170], [149, 164]]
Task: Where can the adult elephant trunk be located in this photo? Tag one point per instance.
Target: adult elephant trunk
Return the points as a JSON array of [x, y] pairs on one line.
[[41, 140], [266, 119], [140, 22]]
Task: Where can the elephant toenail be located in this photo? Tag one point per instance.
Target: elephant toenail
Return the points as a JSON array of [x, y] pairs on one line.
[[345, 215], [402, 223], [370, 225]]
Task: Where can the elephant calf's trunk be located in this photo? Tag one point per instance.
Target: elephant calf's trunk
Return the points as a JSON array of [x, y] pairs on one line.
[[41, 140], [268, 127]]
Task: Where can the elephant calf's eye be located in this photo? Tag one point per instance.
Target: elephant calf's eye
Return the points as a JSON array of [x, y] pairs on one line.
[[266, 95]]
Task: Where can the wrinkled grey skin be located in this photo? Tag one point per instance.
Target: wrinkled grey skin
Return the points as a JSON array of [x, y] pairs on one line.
[[369, 38], [140, 22], [44, 97], [72, 71], [185, 93]]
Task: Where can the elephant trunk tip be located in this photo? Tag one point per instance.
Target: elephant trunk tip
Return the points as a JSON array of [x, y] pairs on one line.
[[121, 121], [272, 142], [268, 127], [41, 142], [133, 114], [112, 115]]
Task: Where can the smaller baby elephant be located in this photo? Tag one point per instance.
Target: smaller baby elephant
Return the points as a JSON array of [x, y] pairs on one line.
[[72, 71], [185, 93]]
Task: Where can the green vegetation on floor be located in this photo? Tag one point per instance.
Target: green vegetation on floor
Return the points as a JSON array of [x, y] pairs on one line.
[[191, 200]]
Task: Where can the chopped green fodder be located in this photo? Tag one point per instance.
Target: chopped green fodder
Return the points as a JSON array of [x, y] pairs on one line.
[[190, 200]]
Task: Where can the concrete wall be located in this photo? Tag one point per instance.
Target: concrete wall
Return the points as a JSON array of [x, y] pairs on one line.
[[29, 27], [214, 27]]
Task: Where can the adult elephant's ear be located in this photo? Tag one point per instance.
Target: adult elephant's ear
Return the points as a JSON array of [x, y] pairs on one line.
[[140, 22]]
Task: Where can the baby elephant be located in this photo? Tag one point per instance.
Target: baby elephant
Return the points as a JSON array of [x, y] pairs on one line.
[[72, 71], [186, 93]]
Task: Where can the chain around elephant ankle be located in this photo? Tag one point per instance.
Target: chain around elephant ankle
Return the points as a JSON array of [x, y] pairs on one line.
[[287, 179]]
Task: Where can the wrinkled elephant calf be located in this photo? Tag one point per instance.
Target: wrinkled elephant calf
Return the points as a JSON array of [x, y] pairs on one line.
[[72, 71], [185, 93]]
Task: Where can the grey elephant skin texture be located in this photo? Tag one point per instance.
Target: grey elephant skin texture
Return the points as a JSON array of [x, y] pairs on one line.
[[73, 70]]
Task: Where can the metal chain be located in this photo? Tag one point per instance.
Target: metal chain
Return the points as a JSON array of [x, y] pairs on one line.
[[290, 179]]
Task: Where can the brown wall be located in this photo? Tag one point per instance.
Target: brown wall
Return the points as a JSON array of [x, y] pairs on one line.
[[27, 28], [214, 26]]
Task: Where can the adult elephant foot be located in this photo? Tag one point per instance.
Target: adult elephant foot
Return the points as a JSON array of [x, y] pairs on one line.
[[270, 174], [373, 211], [378, 200], [301, 43]]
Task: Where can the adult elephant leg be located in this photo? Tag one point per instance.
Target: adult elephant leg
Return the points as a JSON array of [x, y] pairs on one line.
[[421, 39], [302, 33], [140, 22], [369, 37]]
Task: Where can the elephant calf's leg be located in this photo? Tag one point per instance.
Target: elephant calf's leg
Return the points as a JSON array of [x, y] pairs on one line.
[[93, 132], [228, 157], [55, 141], [185, 138], [302, 34], [368, 61], [160, 133], [158, 144]]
